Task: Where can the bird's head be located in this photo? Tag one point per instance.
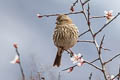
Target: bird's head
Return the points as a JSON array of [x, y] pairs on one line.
[[63, 19]]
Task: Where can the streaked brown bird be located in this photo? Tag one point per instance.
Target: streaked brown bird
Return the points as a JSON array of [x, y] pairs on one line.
[[65, 36]]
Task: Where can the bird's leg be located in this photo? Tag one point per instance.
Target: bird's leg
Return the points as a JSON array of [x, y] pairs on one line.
[[71, 53]]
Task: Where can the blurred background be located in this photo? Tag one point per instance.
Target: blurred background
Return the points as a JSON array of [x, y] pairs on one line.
[[19, 23]]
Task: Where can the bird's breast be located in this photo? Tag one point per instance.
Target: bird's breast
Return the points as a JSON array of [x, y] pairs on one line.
[[65, 36]]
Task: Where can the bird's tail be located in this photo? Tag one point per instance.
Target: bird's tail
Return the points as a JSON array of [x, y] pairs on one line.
[[57, 61]]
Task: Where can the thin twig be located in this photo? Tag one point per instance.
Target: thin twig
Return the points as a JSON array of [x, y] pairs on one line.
[[88, 21], [83, 10], [83, 63], [21, 69], [94, 17], [48, 15], [72, 7], [85, 2], [100, 47], [101, 61], [112, 59], [88, 41], [116, 76], [83, 33], [106, 24], [93, 65], [106, 49], [69, 68], [90, 77], [95, 60]]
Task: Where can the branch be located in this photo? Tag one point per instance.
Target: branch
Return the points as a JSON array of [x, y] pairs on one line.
[[112, 59], [101, 45], [116, 76], [106, 49], [83, 10], [95, 60], [88, 41], [93, 65], [88, 21], [85, 2], [48, 15], [89, 63], [72, 7], [69, 68], [93, 17], [90, 77], [101, 61], [83, 33], [106, 24], [21, 69]]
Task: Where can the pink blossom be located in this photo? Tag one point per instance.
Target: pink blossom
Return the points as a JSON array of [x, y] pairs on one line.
[[15, 60]]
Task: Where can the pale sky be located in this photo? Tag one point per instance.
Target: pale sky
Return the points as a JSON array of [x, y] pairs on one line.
[[20, 24]]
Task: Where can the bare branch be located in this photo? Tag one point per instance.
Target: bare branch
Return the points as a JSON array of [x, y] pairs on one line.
[[112, 59], [93, 65], [94, 17], [49, 15], [106, 24], [75, 3], [83, 10], [69, 68], [101, 45], [21, 69], [95, 60], [88, 21], [116, 76], [90, 77], [89, 63], [88, 41], [72, 7], [83, 33], [85, 2], [106, 49]]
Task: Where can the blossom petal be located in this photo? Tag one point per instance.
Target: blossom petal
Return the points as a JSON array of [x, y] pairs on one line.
[[111, 11], [79, 55], [79, 64], [72, 59], [105, 12], [15, 60]]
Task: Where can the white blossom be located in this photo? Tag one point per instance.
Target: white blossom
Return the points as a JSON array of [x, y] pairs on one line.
[[15, 60], [77, 59]]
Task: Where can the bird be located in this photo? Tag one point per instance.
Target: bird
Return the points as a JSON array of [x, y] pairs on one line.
[[65, 36]]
